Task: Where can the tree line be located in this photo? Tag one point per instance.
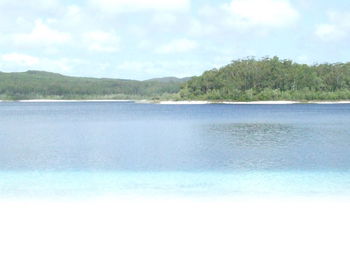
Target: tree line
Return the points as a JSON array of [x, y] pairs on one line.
[[246, 79], [250, 79]]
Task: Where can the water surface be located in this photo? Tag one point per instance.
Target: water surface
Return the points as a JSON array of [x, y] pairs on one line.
[[96, 148]]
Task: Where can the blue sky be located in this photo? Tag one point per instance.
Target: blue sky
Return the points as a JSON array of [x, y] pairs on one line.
[[141, 39]]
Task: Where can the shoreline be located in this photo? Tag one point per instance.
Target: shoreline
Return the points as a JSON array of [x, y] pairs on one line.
[[48, 100], [185, 102], [226, 102]]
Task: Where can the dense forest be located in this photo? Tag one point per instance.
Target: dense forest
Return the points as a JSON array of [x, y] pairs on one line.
[[270, 79], [46, 85]]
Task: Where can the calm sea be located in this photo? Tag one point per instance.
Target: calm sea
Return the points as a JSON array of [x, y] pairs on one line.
[[110, 148]]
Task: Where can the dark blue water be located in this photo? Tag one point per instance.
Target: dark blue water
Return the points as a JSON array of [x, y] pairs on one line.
[[110, 147]]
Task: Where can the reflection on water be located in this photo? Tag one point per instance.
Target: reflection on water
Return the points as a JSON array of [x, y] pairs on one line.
[[258, 145], [258, 134]]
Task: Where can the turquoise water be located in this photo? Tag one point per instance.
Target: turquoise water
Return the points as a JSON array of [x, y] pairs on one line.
[[93, 149], [121, 183]]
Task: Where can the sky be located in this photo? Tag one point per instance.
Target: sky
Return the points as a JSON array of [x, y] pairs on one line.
[[142, 39]]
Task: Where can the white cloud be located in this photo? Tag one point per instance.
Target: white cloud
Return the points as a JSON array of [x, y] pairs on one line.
[[337, 29], [269, 13], [239, 17], [197, 27], [138, 66], [62, 65], [102, 41], [20, 59], [41, 35], [177, 46], [164, 19], [140, 5], [178, 68], [12, 10], [329, 32], [23, 62], [74, 15], [138, 69], [39, 5]]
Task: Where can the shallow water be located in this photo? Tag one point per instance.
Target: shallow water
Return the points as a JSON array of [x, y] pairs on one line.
[[98, 148]]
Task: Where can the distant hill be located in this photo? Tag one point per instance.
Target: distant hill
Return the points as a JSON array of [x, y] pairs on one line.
[[170, 79], [42, 73], [34, 84]]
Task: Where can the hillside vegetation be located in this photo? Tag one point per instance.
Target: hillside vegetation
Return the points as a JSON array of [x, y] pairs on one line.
[[242, 80], [46, 85], [270, 79]]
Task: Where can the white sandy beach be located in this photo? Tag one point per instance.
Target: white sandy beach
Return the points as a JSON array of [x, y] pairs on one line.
[[261, 102], [170, 102], [175, 231], [226, 102], [333, 102], [250, 102]]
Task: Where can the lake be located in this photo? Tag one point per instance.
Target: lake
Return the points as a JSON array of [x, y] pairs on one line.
[[87, 149]]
